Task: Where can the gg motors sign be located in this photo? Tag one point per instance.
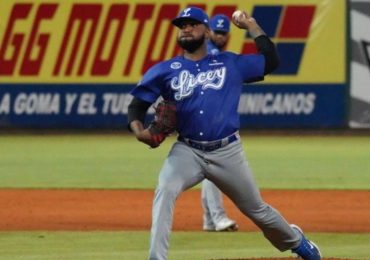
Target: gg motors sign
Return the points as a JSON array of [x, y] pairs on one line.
[[72, 63], [75, 41]]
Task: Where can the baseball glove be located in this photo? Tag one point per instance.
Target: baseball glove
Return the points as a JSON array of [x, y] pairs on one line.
[[164, 122]]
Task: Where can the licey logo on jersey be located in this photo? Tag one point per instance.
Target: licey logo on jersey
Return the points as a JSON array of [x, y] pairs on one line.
[[289, 26], [186, 82]]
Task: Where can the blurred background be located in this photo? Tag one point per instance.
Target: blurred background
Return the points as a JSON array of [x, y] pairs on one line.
[[71, 64], [66, 70]]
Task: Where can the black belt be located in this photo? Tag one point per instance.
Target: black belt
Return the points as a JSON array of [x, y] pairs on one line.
[[209, 146]]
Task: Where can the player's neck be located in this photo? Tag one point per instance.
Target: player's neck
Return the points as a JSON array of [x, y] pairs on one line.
[[199, 54]]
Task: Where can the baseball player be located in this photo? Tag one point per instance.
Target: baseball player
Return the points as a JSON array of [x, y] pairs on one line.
[[214, 215], [219, 33], [206, 90]]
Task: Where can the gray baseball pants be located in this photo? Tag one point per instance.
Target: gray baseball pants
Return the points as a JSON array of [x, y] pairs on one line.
[[226, 167], [212, 203]]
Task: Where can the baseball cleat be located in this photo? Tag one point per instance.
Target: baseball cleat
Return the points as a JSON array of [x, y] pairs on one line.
[[226, 224], [209, 228], [307, 249]]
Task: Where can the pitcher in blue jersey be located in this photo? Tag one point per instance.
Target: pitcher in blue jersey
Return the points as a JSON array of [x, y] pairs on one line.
[[214, 214], [206, 89]]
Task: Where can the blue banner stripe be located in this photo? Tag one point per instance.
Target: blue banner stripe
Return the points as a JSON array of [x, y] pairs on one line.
[[268, 18], [290, 57], [105, 105]]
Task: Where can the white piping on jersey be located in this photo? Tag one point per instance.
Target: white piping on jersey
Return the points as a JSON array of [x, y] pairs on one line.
[[186, 82]]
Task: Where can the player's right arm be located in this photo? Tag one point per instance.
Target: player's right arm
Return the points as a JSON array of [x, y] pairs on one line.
[[267, 48], [264, 46]]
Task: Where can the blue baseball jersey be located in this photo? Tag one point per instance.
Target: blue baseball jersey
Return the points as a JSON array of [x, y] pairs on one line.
[[206, 92]]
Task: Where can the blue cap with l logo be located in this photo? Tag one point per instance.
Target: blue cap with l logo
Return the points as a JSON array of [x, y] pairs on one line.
[[220, 22], [191, 13]]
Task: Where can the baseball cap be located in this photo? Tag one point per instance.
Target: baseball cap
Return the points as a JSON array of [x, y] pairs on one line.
[[193, 13], [220, 22]]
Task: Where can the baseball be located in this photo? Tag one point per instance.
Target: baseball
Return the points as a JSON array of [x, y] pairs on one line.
[[237, 15]]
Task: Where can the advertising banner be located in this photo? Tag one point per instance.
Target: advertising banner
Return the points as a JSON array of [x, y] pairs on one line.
[[93, 49], [360, 64]]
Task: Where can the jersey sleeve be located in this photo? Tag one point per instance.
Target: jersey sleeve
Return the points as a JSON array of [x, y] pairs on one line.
[[251, 67], [148, 89]]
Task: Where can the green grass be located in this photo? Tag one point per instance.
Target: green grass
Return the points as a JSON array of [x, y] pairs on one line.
[[119, 161], [184, 245], [311, 162], [77, 161]]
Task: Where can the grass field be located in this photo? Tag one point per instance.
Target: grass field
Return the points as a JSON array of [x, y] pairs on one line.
[[119, 162], [184, 245]]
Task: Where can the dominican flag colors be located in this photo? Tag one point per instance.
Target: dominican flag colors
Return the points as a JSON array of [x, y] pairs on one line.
[[289, 26]]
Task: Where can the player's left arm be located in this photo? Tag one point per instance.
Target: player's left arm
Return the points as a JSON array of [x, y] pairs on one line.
[[264, 44], [137, 110]]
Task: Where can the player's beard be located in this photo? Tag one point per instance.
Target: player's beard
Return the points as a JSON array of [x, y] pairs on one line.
[[191, 45]]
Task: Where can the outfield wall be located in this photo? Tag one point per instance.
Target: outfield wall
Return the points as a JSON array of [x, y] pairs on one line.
[[72, 63]]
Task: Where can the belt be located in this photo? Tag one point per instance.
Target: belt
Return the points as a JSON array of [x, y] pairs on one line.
[[207, 146]]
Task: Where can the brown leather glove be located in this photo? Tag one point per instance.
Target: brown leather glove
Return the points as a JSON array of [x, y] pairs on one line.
[[164, 122]]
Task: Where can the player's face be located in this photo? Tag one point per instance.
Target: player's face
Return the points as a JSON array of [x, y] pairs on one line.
[[219, 38], [192, 35]]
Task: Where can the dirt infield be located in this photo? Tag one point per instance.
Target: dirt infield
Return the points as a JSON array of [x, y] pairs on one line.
[[322, 211], [32, 209]]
